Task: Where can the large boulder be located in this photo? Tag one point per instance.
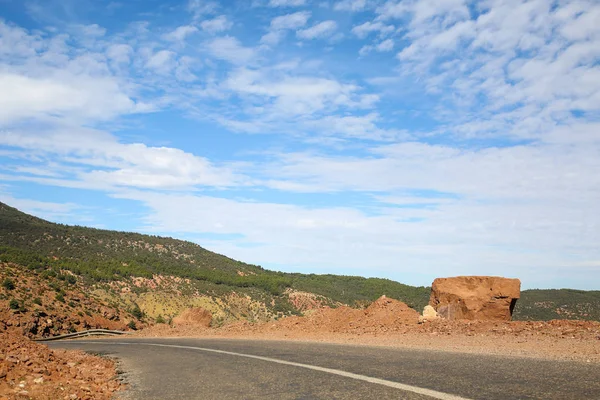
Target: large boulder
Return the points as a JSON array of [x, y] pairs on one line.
[[475, 297]]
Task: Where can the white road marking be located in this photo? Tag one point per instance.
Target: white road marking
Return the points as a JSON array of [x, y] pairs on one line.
[[409, 388]]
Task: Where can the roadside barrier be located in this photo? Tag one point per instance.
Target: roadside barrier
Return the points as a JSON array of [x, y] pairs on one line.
[[91, 332]]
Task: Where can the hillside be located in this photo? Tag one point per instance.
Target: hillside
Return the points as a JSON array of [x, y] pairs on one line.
[[164, 276], [548, 304]]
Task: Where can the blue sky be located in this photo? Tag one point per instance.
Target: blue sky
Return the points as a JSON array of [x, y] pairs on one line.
[[401, 139]]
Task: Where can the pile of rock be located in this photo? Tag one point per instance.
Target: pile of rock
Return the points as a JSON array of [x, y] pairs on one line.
[[31, 370]]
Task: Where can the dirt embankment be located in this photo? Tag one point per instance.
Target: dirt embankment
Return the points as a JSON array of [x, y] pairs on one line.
[[33, 307], [30, 370], [388, 322], [41, 305]]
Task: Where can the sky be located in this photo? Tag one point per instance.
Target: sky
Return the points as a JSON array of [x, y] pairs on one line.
[[398, 139]]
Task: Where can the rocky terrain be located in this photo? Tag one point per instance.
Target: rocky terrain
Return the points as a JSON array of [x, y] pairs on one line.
[[42, 305], [32, 305], [30, 370], [388, 322]]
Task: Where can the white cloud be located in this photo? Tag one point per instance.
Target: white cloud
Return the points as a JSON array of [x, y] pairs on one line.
[[200, 8], [457, 237], [78, 97], [279, 25], [93, 30], [180, 33], [43, 209], [216, 25], [45, 78], [290, 21], [277, 95], [162, 61], [286, 3], [491, 63], [350, 5], [230, 49], [104, 162], [363, 30], [319, 31], [119, 53], [384, 46]]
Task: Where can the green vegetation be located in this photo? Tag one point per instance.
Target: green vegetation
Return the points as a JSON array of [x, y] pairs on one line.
[[356, 289], [103, 256], [8, 284], [550, 304], [137, 312], [37, 301], [131, 325], [14, 304], [160, 320]]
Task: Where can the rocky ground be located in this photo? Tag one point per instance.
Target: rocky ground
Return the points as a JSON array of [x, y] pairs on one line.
[[40, 305], [30, 370], [32, 306], [388, 322]]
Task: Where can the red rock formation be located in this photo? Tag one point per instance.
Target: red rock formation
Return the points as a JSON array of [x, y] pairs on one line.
[[475, 297]]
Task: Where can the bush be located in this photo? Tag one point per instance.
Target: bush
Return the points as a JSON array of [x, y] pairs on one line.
[[160, 320], [131, 325], [14, 304], [137, 312], [8, 284], [37, 301], [60, 297]]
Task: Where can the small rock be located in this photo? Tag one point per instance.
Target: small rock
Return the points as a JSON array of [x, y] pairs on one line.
[[38, 380]]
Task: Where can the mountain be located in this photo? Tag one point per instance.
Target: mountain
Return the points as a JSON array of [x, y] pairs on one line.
[[163, 275], [159, 277]]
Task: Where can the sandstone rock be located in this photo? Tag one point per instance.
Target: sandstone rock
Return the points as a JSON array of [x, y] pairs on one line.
[[475, 297], [429, 314]]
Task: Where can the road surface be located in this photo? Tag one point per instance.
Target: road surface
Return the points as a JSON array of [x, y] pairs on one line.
[[239, 369]]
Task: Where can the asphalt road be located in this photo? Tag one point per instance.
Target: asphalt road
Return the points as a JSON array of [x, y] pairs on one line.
[[238, 369]]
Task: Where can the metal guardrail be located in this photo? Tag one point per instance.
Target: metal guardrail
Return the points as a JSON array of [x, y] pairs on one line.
[[83, 334]]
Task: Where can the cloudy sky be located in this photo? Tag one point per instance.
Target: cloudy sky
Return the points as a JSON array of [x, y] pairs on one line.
[[400, 139]]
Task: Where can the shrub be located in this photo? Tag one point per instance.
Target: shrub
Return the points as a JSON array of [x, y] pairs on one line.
[[131, 325], [136, 311], [8, 284], [14, 304], [37, 301], [60, 297], [160, 320]]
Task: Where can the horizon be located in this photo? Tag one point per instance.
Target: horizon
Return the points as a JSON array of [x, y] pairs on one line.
[[199, 244], [405, 140]]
